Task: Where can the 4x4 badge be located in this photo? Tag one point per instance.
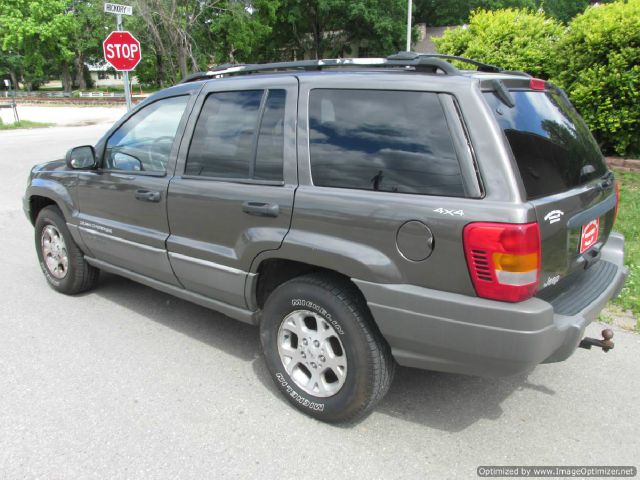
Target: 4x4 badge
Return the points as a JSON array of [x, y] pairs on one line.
[[553, 216], [446, 211]]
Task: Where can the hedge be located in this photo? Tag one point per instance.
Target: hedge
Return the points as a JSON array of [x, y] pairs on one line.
[[600, 70]]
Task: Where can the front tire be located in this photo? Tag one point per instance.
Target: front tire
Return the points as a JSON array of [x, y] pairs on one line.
[[61, 260], [323, 349]]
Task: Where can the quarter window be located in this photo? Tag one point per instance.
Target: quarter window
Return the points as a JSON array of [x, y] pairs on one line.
[[144, 141], [392, 141], [226, 143]]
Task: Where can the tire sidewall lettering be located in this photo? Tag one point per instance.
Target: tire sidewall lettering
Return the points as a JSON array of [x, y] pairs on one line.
[[300, 399], [48, 276], [299, 302]]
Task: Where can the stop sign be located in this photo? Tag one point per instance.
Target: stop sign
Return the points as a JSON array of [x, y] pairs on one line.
[[122, 50]]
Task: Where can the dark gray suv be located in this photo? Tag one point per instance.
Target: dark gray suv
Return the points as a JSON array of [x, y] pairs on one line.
[[361, 212]]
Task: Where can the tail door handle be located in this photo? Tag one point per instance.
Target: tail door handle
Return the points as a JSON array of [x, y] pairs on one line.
[[261, 209]]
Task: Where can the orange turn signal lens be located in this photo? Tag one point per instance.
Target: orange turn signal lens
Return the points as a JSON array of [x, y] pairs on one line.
[[510, 262]]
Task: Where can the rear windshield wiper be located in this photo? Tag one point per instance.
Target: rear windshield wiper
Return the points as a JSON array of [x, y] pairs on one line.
[[502, 93]]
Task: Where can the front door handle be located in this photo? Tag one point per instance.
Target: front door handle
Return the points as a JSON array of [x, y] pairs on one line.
[[261, 209], [147, 195]]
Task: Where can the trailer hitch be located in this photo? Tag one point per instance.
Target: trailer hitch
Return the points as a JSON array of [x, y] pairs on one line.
[[605, 344]]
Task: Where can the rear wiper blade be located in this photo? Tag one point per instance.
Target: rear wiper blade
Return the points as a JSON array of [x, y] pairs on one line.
[[502, 93]]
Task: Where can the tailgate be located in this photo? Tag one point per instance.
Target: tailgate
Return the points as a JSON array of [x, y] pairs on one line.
[[563, 173]]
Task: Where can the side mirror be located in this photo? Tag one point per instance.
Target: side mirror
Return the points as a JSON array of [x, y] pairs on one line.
[[81, 157]]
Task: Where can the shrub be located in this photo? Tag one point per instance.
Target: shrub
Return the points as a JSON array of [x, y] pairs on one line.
[[514, 39], [600, 70]]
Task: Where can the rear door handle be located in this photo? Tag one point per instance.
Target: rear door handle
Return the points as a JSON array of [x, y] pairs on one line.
[[261, 209], [147, 195]]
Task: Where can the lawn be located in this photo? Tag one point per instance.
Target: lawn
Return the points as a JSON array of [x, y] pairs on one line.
[[24, 124], [629, 224]]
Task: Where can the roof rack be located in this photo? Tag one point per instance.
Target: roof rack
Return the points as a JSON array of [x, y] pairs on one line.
[[425, 62], [482, 67]]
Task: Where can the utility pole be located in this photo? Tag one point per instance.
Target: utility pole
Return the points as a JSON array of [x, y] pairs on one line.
[[409, 8]]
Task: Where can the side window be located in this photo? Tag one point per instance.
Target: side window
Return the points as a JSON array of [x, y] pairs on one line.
[[143, 143], [392, 141], [226, 143]]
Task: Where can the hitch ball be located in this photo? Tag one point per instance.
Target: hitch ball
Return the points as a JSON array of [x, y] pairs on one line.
[[605, 344]]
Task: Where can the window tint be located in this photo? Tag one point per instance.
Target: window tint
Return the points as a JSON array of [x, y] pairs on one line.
[[271, 140], [552, 145], [393, 141], [222, 144], [144, 142]]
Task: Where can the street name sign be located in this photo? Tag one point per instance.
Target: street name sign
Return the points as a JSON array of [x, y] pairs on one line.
[[118, 9]]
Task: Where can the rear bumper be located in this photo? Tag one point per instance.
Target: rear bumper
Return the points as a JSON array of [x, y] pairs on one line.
[[456, 333]]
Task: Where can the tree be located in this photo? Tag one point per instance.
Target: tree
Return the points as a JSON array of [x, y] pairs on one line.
[[39, 31], [330, 28], [240, 31], [440, 13], [90, 27], [511, 38]]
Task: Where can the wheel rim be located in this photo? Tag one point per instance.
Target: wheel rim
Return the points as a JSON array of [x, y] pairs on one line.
[[54, 252], [312, 354]]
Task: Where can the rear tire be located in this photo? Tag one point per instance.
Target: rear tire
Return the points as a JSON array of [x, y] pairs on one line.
[[323, 349], [61, 260]]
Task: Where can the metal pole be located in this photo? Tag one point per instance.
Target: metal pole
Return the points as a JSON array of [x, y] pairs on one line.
[[12, 90], [125, 74], [409, 7]]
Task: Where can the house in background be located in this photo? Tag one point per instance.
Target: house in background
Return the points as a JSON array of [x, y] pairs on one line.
[[104, 75], [425, 44]]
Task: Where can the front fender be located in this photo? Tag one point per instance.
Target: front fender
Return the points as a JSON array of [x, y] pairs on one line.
[[58, 190]]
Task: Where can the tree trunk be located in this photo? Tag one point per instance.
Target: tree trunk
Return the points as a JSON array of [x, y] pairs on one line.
[[159, 71], [66, 78], [182, 60], [80, 81], [14, 80]]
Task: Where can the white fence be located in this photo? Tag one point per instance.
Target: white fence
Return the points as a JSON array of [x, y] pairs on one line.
[[101, 94]]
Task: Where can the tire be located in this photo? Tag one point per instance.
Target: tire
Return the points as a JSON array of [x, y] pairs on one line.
[[350, 371], [55, 245]]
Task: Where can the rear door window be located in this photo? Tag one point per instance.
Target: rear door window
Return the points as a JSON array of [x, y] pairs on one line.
[[239, 135], [552, 145], [382, 140], [222, 144]]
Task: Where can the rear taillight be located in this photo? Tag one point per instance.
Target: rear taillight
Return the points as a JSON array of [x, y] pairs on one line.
[[615, 218], [503, 259]]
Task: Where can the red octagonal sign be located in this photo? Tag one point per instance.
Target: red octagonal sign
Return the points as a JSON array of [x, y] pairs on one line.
[[122, 51]]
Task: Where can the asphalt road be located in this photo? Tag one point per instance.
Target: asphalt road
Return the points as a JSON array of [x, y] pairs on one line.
[[127, 382]]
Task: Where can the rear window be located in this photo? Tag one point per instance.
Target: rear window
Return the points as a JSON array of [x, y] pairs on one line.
[[388, 141], [551, 143]]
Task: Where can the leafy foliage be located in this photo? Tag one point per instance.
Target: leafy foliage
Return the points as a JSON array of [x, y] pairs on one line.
[[601, 73], [38, 32], [456, 12], [515, 39]]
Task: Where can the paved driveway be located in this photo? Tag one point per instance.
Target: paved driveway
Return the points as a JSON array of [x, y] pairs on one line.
[[127, 382]]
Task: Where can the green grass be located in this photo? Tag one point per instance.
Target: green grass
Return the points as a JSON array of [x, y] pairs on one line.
[[629, 225], [24, 124]]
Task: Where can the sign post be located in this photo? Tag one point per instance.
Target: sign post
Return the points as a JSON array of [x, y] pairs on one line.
[[12, 92], [122, 51]]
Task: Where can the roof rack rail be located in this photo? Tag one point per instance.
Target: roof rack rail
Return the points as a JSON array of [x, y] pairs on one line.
[[482, 67], [428, 63]]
